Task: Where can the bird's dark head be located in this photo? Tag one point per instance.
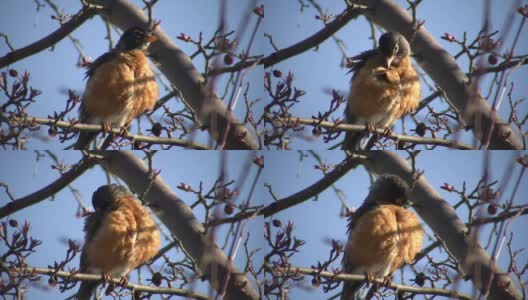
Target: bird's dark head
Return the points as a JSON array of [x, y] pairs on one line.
[[106, 196], [135, 38], [394, 47], [389, 189]]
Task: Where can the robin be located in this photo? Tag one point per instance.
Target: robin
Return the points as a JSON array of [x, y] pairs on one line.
[[384, 88], [382, 234], [120, 236], [121, 85]]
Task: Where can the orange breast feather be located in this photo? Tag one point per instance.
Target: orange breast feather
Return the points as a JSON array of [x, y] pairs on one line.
[[388, 234], [410, 85]]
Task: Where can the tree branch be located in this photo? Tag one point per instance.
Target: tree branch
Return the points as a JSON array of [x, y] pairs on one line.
[[349, 163], [314, 40], [117, 281], [361, 128], [117, 131], [49, 190], [380, 281], [50, 40]]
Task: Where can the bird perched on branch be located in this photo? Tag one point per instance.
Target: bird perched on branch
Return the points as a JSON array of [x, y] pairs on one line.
[[120, 236], [382, 234], [121, 85], [384, 87]]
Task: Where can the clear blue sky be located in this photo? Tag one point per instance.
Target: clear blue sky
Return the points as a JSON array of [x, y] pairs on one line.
[[319, 70], [54, 221], [55, 71]]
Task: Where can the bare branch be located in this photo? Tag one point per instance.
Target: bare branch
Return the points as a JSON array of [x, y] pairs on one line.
[[50, 40], [380, 281], [314, 40], [50, 189], [117, 281]]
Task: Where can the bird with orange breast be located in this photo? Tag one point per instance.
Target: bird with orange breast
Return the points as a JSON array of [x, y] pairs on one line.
[[120, 237], [121, 86], [384, 88], [382, 234]]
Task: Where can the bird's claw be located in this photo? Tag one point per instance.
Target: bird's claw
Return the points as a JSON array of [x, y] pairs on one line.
[[369, 278], [123, 132], [123, 282], [387, 281], [388, 132], [106, 127], [369, 128], [105, 278]]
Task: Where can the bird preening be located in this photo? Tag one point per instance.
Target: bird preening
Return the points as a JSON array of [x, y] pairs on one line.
[[121, 86], [384, 88], [382, 233], [120, 236]]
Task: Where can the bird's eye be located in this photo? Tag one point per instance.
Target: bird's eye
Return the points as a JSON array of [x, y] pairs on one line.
[[396, 48]]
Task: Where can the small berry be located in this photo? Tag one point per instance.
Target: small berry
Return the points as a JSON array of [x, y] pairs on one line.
[[156, 129], [276, 223], [420, 129], [52, 132], [184, 37], [52, 282], [420, 279], [492, 59], [13, 73], [315, 282], [156, 279], [259, 11], [228, 209], [523, 11], [492, 209], [228, 59], [277, 73]]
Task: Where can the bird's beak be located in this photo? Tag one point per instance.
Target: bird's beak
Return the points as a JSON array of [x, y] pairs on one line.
[[151, 38], [388, 61]]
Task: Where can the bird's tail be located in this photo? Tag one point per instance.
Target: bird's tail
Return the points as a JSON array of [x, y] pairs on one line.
[[352, 140], [84, 140], [350, 288], [86, 290]]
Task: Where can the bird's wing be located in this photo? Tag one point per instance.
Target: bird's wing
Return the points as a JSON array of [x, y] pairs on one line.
[[357, 62], [108, 56], [371, 245]]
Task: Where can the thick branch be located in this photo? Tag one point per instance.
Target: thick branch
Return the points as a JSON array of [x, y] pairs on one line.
[[48, 41], [443, 69], [443, 220], [48, 190], [180, 220], [177, 67]]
